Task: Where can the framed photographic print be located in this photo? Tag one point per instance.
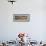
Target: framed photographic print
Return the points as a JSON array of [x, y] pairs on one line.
[[21, 17]]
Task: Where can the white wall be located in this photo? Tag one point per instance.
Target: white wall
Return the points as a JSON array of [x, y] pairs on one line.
[[37, 25]]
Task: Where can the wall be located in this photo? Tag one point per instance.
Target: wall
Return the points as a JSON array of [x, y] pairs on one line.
[[37, 25]]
